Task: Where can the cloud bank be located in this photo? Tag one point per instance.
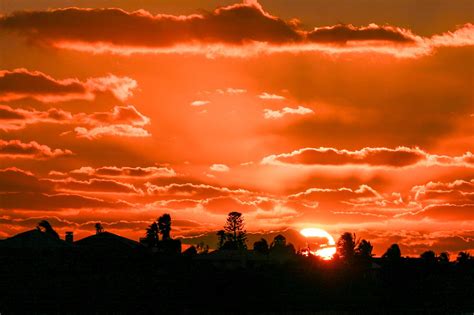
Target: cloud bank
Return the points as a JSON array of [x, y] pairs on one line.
[[236, 30]]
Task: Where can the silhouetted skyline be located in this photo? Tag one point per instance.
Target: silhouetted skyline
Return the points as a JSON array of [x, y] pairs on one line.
[[298, 114]]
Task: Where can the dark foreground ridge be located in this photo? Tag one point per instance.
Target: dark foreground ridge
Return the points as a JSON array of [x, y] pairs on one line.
[[107, 273]]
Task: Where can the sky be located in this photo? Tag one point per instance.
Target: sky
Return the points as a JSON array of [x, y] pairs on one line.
[[341, 115]]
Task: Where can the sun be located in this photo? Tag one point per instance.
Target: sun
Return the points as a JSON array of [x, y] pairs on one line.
[[325, 251]]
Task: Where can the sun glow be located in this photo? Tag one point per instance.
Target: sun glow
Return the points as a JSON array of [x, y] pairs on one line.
[[325, 251]]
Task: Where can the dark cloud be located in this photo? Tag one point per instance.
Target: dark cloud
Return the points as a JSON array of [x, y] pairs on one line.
[[23, 83], [444, 212], [47, 202], [17, 180], [398, 157], [126, 172], [94, 185], [343, 33], [235, 24], [13, 149]]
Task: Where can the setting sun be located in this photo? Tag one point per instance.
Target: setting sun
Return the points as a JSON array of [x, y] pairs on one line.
[[325, 251]]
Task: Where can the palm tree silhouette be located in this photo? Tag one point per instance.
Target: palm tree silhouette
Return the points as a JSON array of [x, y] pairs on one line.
[[164, 226]]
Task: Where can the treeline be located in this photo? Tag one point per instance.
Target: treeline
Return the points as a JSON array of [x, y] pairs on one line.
[[233, 236], [271, 278]]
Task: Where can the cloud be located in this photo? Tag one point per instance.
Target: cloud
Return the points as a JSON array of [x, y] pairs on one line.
[[15, 119], [126, 172], [123, 121], [231, 91], [459, 184], [121, 87], [22, 83], [112, 130], [41, 201], [15, 149], [443, 212], [120, 121], [342, 198], [24, 191], [456, 192], [343, 33], [199, 103], [94, 185], [268, 96], [374, 157], [461, 37], [219, 168], [17, 180], [119, 115], [275, 114], [237, 30], [187, 190]]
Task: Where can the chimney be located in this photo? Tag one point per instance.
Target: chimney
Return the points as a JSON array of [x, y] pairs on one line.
[[69, 237]]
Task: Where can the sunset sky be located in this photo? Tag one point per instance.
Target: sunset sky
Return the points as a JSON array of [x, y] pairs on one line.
[[342, 115]]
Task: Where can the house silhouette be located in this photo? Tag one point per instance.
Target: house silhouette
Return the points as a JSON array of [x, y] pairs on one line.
[[33, 239], [106, 241]]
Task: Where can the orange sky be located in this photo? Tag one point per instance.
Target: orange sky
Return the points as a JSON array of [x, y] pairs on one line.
[[310, 114]]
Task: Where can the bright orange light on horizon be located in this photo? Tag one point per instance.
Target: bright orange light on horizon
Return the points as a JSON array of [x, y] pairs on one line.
[[326, 252]]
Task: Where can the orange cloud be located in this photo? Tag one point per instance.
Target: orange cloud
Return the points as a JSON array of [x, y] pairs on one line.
[[269, 96], [196, 190], [235, 30], [24, 191], [47, 202], [14, 119], [15, 149], [275, 114], [456, 192], [121, 121], [112, 130], [94, 185], [126, 172], [119, 115], [219, 168], [17, 180], [374, 157], [443, 212], [22, 83], [199, 103], [344, 33]]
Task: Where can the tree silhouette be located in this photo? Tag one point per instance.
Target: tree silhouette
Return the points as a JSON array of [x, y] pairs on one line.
[[45, 227], [346, 246], [202, 248], [261, 246], [363, 253], [364, 249], [393, 253], [463, 258], [222, 237], [152, 236], [443, 258], [235, 232], [279, 247], [429, 257], [164, 226], [279, 241], [98, 228]]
